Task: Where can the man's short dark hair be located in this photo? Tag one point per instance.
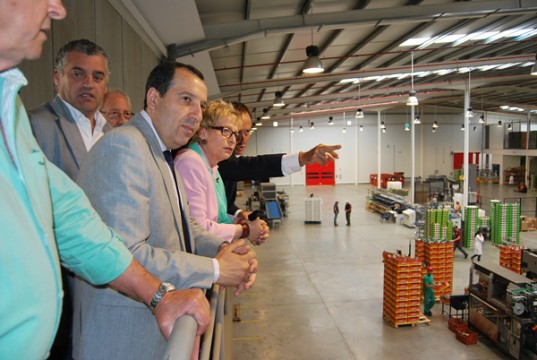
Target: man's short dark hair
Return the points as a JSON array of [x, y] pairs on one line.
[[83, 46], [240, 107], [162, 75]]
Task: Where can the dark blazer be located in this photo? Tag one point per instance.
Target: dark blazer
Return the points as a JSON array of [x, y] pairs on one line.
[[59, 137], [241, 168], [128, 182]]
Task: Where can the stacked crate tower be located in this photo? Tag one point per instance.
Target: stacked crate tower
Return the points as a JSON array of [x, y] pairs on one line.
[[504, 223], [471, 225], [437, 249], [511, 257], [402, 289]]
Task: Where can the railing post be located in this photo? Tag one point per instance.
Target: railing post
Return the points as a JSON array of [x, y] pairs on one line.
[[182, 338], [207, 340]]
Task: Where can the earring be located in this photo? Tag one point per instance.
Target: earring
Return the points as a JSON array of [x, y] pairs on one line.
[[203, 141]]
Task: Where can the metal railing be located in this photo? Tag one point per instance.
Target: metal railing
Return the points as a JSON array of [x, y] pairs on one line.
[[216, 342]]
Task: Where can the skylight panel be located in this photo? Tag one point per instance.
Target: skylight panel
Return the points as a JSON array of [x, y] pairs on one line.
[[526, 35], [484, 35], [414, 41], [508, 65], [487, 67], [347, 81], [449, 38]]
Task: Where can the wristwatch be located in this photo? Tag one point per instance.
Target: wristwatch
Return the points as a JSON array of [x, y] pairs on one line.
[[163, 289]]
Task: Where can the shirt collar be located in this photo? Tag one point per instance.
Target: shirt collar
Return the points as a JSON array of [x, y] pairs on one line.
[[100, 121], [147, 118]]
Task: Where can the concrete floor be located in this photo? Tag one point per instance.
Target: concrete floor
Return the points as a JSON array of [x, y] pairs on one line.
[[318, 294]]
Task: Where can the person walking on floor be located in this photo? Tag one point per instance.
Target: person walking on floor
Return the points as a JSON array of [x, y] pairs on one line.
[[478, 245], [457, 241], [348, 209], [428, 292], [336, 212]]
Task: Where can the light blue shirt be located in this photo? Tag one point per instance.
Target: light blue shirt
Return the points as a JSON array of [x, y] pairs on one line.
[[44, 218]]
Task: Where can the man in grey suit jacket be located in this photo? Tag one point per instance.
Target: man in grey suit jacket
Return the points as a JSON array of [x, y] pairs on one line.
[[66, 128], [143, 205]]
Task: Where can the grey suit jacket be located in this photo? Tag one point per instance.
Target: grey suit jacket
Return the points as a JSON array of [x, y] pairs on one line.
[[128, 182], [59, 137]]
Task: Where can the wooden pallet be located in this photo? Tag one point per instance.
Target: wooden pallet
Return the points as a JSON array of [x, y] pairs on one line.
[[422, 320]]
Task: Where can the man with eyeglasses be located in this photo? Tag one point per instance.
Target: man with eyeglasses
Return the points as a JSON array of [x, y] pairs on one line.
[[67, 127], [116, 107], [241, 168]]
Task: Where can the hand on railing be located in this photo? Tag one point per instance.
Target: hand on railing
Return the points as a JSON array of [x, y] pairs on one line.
[[182, 302]]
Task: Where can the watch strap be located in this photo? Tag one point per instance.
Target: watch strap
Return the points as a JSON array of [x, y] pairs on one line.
[[163, 289]]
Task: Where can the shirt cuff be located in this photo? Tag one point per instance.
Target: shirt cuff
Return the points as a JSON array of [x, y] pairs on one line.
[[236, 215], [216, 270], [290, 164]]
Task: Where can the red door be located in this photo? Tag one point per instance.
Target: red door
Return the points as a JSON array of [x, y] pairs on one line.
[[321, 175]]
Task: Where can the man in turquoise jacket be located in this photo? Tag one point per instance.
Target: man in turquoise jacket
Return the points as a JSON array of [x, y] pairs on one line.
[[46, 219]]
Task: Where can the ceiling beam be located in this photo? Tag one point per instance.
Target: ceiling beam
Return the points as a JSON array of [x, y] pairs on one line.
[[221, 35]]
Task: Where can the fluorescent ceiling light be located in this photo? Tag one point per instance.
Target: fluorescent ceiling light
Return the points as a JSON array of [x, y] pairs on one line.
[[313, 64], [412, 99], [278, 100]]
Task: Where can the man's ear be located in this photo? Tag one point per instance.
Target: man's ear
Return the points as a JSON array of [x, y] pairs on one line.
[[56, 77], [152, 98]]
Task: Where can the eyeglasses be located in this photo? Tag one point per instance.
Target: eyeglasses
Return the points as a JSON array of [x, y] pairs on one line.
[[225, 131], [117, 114]]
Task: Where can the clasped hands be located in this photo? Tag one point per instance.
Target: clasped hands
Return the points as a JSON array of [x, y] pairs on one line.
[[238, 266]]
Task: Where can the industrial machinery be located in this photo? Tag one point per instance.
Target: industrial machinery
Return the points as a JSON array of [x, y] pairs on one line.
[[503, 306], [529, 263]]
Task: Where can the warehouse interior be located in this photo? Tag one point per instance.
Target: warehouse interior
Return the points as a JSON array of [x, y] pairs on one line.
[[320, 290]]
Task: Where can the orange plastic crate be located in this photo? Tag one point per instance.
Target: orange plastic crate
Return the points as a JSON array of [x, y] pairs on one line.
[[466, 336], [455, 323]]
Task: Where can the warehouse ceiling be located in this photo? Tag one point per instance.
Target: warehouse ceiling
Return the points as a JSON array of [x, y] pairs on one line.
[[254, 48]]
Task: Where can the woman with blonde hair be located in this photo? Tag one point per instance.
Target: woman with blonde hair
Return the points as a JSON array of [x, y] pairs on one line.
[[197, 165]]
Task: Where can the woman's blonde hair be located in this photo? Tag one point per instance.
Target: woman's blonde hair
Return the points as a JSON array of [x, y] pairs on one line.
[[216, 110]]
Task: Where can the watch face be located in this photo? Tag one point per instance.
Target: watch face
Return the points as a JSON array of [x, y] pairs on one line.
[[167, 286], [163, 289]]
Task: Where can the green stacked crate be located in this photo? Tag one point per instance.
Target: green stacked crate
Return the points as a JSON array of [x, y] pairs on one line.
[[516, 223], [495, 221], [504, 222], [471, 224], [437, 225]]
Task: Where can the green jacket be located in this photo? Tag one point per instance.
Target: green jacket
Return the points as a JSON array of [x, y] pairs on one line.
[[45, 218]]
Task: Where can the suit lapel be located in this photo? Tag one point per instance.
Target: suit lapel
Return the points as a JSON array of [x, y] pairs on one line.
[[70, 130], [186, 209], [141, 124]]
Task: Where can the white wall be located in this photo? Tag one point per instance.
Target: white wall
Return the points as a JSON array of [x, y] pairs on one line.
[[358, 157]]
